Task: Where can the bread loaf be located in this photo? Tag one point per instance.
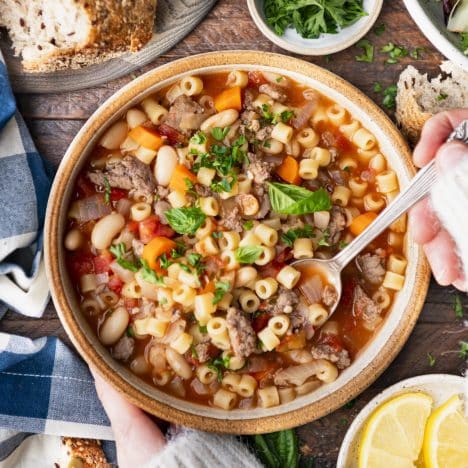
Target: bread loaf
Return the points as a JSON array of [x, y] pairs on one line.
[[419, 98], [55, 34]]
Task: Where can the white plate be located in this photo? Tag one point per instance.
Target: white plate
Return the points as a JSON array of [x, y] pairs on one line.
[[430, 19], [439, 386], [326, 43]]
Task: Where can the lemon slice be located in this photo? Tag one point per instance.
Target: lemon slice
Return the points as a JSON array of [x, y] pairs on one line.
[[393, 435], [446, 437]]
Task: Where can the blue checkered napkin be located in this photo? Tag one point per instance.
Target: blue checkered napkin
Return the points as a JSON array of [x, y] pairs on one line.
[[44, 387]]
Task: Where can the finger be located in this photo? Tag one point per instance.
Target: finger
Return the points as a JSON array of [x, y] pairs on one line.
[[440, 252], [137, 438], [451, 154], [424, 223], [435, 133], [461, 284]]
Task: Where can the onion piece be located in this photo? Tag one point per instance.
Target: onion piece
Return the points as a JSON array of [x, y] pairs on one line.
[[125, 275], [89, 208], [303, 114], [458, 19], [312, 288], [123, 206], [199, 388], [102, 278], [174, 331]]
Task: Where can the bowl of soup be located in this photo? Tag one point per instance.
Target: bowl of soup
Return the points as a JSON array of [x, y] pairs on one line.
[[174, 221]]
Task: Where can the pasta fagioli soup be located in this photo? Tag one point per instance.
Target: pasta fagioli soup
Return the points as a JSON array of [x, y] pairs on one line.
[[186, 222]]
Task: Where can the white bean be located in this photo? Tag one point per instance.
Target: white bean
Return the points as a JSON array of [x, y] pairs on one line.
[[223, 119], [166, 161], [114, 136], [135, 117], [178, 364], [74, 239], [114, 326], [106, 229]]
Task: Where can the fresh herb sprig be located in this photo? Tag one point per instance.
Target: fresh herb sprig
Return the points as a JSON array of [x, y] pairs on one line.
[[120, 252], [299, 233]]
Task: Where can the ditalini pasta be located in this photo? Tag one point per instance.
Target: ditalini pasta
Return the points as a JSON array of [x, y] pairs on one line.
[[186, 219]]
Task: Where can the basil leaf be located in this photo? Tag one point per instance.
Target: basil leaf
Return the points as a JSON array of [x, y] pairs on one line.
[[295, 200], [150, 275], [221, 288], [185, 220], [248, 254], [219, 133]]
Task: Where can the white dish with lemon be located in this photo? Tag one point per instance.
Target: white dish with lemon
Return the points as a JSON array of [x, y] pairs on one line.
[[424, 419]]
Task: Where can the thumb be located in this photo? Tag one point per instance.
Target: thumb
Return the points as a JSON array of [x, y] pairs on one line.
[[137, 438], [450, 154]]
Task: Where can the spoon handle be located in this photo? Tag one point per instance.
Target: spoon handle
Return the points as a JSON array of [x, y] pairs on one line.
[[418, 188]]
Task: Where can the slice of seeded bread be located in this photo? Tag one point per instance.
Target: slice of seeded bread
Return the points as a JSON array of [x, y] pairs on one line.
[[56, 34], [419, 97], [85, 453]]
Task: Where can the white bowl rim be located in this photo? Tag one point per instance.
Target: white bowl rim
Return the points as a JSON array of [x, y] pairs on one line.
[[314, 50], [410, 384], [433, 34]]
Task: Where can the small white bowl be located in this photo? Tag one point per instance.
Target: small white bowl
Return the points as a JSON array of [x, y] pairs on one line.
[[439, 386], [430, 19], [326, 43]]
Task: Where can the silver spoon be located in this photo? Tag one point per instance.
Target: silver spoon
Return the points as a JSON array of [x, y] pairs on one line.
[[417, 189]]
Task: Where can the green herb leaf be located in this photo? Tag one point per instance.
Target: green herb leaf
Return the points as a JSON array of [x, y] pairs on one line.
[[431, 359], [185, 220], [389, 96], [377, 87], [150, 275], [379, 30], [164, 262], [368, 55], [119, 251], [463, 353], [129, 332], [107, 191], [295, 200], [248, 225], [458, 307], [442, 97], [198, 139], [219, 365], [248, 254], [219, 133], [278, 449], [203, 329], [221, 288], [299, 233], [286, 116]]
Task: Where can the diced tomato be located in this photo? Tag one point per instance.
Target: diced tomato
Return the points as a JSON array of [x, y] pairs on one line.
[[342, 143], [115, 284], [147, 228], [256, 78], [102, 262], [133, 226], [85, 187], [165, 231], [81, 264], [117, 194], [260, 322], [130, 304], [173, 136], [331, 340]]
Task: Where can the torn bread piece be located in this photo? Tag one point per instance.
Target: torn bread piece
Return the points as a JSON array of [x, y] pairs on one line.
[[85, 453], [52, 35], [419, 98]]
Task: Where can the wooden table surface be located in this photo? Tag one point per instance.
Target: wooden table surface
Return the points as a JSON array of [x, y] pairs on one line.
[[55, 119]]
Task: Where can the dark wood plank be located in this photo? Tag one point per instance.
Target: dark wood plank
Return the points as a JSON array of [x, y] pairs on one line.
[[55, 119]]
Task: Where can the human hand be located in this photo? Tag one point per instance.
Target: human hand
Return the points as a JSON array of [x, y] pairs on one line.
[[137, 437], [438, 245]]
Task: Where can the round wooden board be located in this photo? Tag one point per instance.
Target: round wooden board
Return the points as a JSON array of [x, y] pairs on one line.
[[174, 20]]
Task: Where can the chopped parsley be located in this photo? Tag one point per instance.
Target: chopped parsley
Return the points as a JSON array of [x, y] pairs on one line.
[[164, 262], [150, 275], [395, 52], [107, 191], [442, 97], [368, 51], [463, 352], [325, 240], [379, 30], [179, 251], [248, 254], [221, 288], [458, 307], [431, 359], [129, 332], [286, 116], [248, 225], [389, 97], [378, 87], [202, 328], [219, 133], [198, 139], [219, 365], [119, 251], [342, 244], [299, 233]]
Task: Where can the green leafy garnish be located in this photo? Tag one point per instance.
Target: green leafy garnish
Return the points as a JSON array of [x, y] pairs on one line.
[[295, 200], [463, 353], [107, 191], [248, 225], [278, 449], [164, 262], [179, 251], [129, 332], [464, 42], [221, 288], [286, 116], [377, 87], [119, 251], [299, 233], [193, 351], [310, 18], [203, 329], [198, 139], [218, 365], [325, 240], [248, 254], [395, 52], [442, 97], [225, 184], [379, 30], [217, 234], [219, 133], [368, 48], [185, 220], [150, 275], [431, 359], [458, 307], [389, 97]]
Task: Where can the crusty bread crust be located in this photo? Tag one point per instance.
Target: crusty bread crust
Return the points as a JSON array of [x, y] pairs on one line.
[[86, 453], [117, 26]]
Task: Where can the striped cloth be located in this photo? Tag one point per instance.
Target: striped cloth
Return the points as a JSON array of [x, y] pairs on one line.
[[44, 387]]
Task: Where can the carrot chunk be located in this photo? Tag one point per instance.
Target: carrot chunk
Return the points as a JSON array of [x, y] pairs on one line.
[[288, 170], [146, 137], [360, 223], [229, 99], [155, 248], [179, 178]]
